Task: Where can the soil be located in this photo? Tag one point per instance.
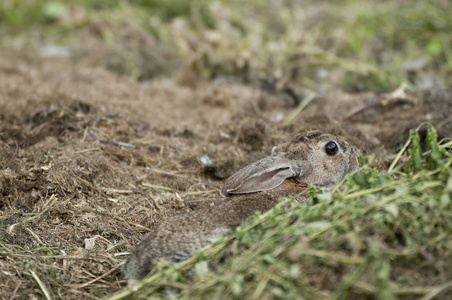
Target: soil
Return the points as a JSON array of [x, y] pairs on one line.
[[90, 160]]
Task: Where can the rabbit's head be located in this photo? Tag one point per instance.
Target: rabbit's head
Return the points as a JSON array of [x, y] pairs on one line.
[[314, 157]]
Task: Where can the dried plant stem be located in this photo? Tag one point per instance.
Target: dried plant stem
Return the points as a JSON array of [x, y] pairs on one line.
[[41, 285], [78, 286], [46, 207], [299, 109], [437, 290]]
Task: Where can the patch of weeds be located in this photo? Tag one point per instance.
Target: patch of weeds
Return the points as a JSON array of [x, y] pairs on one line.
[[358, 45], [167, 10], [394, 33], [30, 13], [366, 238], [15, 13]]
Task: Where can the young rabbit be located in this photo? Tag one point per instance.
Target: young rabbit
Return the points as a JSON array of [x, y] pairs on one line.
[[312, 157]]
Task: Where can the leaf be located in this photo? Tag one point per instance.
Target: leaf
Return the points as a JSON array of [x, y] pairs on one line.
[[202, 268], [392, 209], [317, 226]]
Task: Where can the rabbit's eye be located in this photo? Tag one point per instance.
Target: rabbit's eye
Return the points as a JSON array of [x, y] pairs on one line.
[[331, 148]]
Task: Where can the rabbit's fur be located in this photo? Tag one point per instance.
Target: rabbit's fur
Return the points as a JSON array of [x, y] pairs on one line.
[[290, 168]]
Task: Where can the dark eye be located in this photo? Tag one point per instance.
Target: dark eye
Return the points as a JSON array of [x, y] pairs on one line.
[[331, 148]]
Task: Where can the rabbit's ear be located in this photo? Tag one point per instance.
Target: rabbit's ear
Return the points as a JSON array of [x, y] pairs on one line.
[[264, 175]]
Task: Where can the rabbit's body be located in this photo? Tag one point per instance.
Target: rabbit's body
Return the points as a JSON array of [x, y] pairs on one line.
[[177, 237], [257, 187]]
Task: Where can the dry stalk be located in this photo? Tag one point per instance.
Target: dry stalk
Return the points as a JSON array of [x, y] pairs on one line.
[[41, 285]]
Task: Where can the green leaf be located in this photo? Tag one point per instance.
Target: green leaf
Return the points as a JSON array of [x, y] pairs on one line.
[[54, 10], [202, 268]]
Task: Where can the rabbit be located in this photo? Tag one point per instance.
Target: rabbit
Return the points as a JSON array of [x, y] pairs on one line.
[[311, 157]]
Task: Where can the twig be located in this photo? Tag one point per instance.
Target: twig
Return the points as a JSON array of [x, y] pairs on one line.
[[159, 187], [444, 122], [13, 295], [41, 285], [111, 190], [436, 290], [366, 287], [399, 155], [4, 254], [339, 258], [396, 160], [351, 280], [299, 108], [77, 286], [35, 236], [359, 109], [87, 150], [397, 97], [263, 282], [47, 206], [129, 222], [201, 193], [118, 143]]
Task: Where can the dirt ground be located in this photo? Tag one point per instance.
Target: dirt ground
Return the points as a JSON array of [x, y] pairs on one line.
[[90, 161]]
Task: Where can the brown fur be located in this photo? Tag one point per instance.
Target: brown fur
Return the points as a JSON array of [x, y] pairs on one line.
[[288, 171]]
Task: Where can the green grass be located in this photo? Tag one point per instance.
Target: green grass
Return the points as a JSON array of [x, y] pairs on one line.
[[359, 45], [380, 234]]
